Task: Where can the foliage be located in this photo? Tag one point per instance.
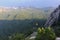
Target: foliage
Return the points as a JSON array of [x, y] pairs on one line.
[[17, 36], [45, 34], [28, 33], [57, 31], [9, 27]]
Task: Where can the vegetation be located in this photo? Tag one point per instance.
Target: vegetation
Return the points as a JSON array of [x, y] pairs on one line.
[[57, 31], [21, 20], [17, 36], [24, 13], [45, 34], [9, 27]]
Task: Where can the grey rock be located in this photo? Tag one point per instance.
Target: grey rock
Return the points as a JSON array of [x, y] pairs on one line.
[[54, 17]]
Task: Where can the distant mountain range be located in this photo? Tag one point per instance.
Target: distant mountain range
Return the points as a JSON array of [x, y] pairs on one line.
[[21, 13]]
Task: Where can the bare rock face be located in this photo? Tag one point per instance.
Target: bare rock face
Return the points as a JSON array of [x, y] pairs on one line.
[[54, 18], [54, 21]]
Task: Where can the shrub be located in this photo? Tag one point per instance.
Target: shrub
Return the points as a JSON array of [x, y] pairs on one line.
[[45, 34]]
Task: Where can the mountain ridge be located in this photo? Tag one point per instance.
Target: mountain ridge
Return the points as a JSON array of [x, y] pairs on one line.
[[18, 13]]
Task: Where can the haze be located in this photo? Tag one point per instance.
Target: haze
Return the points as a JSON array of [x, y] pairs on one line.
[[30, 3]]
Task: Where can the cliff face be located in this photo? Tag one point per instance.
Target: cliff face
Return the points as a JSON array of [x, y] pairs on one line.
[[54, 18]]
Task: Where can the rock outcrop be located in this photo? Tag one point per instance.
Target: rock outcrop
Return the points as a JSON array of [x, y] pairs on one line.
[[54, 18]]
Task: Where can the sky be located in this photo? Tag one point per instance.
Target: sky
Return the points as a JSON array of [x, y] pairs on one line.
[[30, 3]]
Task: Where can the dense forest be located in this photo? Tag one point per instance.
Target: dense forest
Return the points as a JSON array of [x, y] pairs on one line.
[[7, 28]]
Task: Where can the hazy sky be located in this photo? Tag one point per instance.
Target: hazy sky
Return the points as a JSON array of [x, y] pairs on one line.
[[31, 3]]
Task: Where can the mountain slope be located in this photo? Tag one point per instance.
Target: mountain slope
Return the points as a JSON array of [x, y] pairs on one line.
[[23, 13]]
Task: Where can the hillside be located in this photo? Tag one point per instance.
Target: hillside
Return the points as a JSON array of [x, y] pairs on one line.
[[21, 13], [12, 20]]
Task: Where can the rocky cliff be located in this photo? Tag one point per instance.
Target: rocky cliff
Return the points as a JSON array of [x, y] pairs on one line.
[[54, 18]]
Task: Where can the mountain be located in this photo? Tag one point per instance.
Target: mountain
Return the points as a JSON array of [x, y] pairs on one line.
[[54, 21], [12, 20], [21, 13], [54, 17]]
